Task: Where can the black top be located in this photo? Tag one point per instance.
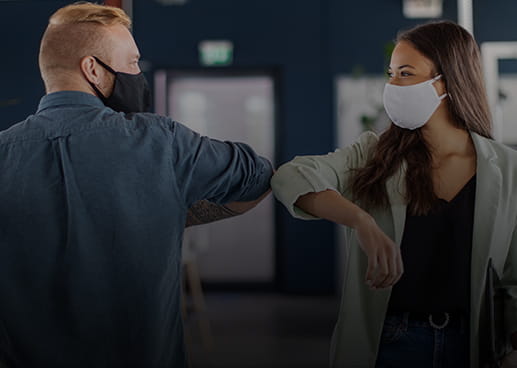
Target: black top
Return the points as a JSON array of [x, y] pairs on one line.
[[436, 251]]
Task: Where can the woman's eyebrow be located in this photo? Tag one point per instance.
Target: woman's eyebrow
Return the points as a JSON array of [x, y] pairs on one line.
[[403, 66]]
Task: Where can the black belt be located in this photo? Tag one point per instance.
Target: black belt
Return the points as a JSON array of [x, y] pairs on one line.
[[438, 320]]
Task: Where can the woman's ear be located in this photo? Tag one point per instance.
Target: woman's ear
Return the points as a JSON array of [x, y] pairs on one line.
[[440, 86]]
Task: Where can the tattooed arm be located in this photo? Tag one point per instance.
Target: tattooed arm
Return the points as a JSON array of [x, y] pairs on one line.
[[203, 212]]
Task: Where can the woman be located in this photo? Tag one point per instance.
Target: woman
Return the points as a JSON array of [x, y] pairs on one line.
[[425, 205]]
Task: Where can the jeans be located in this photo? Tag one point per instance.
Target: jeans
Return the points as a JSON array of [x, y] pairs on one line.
[[414, 343]]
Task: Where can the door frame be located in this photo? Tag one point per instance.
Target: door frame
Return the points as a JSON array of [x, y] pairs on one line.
[[161, 78]]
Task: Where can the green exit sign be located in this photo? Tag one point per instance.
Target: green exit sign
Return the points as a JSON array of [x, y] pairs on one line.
[[216, 53]]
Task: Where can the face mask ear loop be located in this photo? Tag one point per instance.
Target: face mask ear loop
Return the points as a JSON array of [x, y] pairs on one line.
[[439, 76], [99, 93], [109, 69], [104, 65]]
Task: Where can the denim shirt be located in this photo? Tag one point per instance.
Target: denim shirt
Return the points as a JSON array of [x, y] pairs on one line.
[[93, 207]]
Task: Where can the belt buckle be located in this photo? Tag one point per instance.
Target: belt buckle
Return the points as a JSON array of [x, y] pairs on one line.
[[443, 325]]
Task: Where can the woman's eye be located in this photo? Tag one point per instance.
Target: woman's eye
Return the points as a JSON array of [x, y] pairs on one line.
[[405, 74], [389, 74]]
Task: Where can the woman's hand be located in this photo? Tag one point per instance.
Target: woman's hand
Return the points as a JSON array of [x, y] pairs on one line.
[[384, 259], [385, 266]]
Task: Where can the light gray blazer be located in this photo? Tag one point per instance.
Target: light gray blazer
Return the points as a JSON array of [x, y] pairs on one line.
[[356, 337]]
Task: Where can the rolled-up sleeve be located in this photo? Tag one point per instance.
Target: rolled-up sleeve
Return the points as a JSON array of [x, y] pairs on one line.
[[220, 172], [313, 174]]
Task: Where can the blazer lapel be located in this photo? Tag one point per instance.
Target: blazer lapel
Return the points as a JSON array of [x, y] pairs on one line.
[[488, 190]]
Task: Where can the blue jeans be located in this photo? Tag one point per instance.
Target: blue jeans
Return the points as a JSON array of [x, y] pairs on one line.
[[414, 343]]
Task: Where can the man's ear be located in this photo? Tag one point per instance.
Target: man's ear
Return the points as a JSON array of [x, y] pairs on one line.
[[90, 70]]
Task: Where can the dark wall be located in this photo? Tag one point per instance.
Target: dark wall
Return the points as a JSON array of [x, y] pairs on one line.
[[360, 32], [495, 20], [21, 26], [308, 42]]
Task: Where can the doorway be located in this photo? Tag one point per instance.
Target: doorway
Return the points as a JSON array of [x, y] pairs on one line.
[[237, 106]]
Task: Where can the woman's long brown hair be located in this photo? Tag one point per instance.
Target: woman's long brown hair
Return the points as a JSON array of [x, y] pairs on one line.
[[456, 57]]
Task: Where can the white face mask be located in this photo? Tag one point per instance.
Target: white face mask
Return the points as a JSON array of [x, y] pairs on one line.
[[410, 107]]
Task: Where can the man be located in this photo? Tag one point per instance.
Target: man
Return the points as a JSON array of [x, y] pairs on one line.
[[95, 198]]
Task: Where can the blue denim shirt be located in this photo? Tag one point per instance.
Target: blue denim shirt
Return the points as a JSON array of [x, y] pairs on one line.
[[93, 206]]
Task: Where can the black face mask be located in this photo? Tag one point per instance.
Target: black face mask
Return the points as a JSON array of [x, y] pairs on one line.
[[130, 92]]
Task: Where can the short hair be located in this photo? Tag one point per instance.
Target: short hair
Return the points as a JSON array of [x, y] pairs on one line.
[[76, 31], [86, 12]]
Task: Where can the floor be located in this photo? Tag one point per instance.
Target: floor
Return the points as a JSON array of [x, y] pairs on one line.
[[262, 331]]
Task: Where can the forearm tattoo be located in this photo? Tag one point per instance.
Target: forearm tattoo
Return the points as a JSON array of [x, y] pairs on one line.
[[204, 211]]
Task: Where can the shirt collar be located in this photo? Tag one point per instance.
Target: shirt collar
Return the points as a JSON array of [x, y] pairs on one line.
[[55, 99]]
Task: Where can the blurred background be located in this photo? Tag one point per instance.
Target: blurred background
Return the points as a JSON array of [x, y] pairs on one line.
[[288, 77]]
